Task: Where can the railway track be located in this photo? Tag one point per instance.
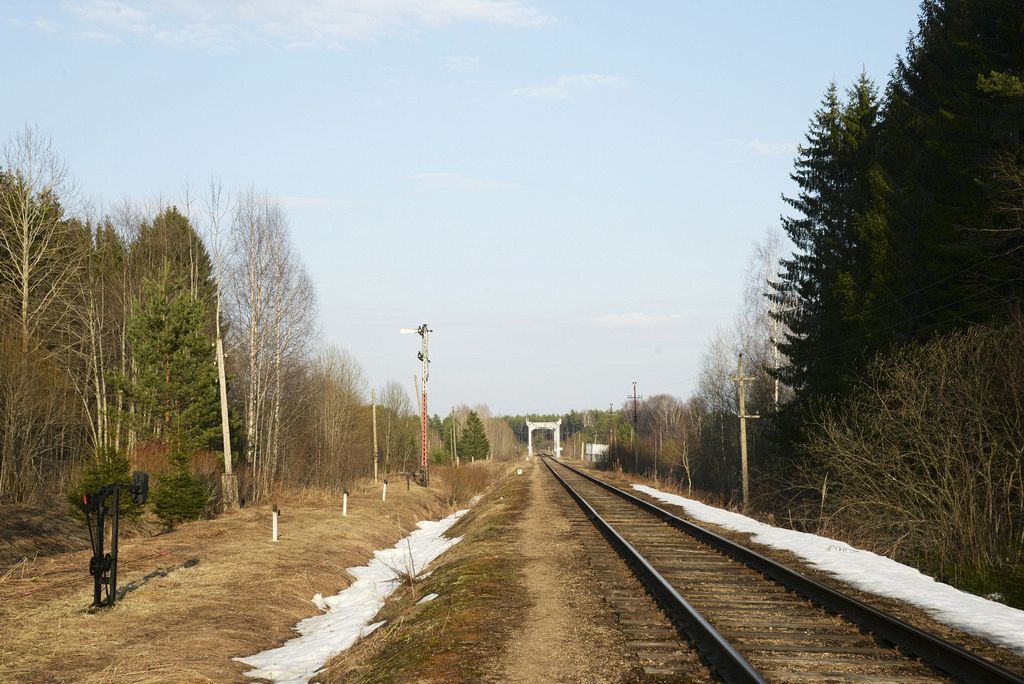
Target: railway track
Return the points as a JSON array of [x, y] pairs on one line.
[[750, 618]]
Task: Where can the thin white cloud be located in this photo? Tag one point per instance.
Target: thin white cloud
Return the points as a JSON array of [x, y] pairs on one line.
[[38, 24], [634, 319], [565, 86], [227, 24], [126, 16], [311, 202], [460, 62], [446, 180], [100, 36], [761, 147]]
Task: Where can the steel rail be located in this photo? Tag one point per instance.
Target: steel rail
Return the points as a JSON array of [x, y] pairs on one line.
[[937, 652], [723, 657]]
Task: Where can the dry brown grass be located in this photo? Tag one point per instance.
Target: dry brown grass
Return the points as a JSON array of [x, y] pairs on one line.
[[242, 596], [460, 484], [28, 532]]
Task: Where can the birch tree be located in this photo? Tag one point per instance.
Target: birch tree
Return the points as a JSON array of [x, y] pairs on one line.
[[759, 323], [40, 261], [273, 309], [38, 256], [340, 439]]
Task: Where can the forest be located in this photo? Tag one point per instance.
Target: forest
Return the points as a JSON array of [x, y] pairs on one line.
[[881, 326]]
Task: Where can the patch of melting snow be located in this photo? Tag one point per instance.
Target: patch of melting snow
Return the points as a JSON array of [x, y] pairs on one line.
[[427, 598], [872, 573], [346, 617]]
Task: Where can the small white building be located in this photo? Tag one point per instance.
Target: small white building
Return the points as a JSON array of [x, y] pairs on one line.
[[592, 453]]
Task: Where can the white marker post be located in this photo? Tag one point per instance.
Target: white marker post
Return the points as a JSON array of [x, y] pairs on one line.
[[384, 492], [344, 503], [273, 533]]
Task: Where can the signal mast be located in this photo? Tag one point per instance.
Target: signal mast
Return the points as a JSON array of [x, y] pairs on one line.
[[424, 332]]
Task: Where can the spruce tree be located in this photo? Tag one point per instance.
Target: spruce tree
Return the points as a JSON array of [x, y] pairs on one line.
[[174, 387], [473, 443], [108, 466], [170, 244], [818, 295], [179, 495], [954, 112]]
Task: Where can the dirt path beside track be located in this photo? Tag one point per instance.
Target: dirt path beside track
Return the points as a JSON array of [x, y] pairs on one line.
[[570, 634]]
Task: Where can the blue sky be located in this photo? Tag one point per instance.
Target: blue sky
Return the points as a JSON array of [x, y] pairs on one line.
[[567, 192]]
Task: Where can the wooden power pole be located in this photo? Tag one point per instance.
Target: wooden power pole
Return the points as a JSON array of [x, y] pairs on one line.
[[373, 409], [741, 380], [636, 452], [229, 485], [455, 440]]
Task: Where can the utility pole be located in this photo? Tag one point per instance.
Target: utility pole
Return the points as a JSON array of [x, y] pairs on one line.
[[228, 483], [742, 379], [373, 408], [611, 428], [424, 357], [775, 360], [455, 440], [636, 440], [636, 452]]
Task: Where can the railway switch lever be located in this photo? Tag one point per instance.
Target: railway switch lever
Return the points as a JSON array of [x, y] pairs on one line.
[[103, 566]]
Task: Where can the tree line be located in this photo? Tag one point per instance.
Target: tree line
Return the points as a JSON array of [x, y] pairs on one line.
[[108, 323]]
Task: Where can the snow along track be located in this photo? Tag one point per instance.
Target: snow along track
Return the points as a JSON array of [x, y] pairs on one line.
[[347, 616], [754, 620]]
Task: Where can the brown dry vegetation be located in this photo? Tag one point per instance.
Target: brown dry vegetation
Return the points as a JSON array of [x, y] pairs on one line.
[[31, 531], [923, 462], [459, 484], [457, 636], [242, 595]]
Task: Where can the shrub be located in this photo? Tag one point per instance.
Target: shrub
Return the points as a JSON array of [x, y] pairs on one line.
[[924, 459], [460, 484], [179, 495]]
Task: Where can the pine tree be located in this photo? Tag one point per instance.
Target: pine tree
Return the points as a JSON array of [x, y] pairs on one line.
[[473, 443]]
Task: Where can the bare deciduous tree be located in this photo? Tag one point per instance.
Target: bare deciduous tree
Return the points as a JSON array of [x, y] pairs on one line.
[[39, 257], [340, 436], [400, 425], [758, 330], [273, 309]]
